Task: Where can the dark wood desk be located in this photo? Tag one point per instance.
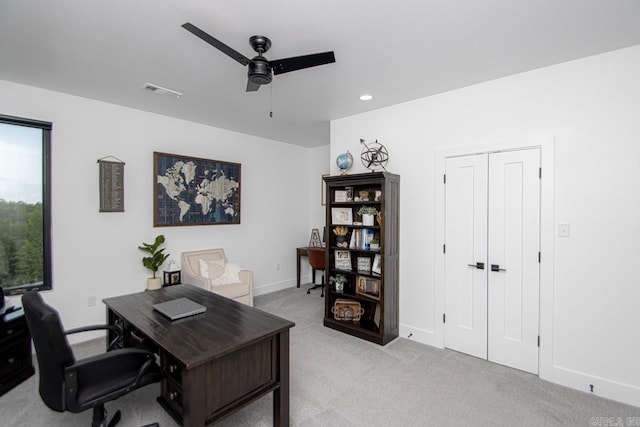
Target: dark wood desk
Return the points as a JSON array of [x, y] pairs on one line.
[[15, 350], [212, 363], [300, 252]]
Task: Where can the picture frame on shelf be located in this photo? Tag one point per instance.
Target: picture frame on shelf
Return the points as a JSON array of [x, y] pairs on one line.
[[340, 196], [342, 259], [364, 264], [368, 286], [377, 264], [341, 216]]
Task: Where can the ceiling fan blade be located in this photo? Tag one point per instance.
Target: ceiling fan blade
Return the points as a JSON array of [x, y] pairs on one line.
[[251, 86], [216, 43], [286, 65]]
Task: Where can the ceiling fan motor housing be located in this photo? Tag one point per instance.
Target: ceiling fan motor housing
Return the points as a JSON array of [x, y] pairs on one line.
[[259, 71]]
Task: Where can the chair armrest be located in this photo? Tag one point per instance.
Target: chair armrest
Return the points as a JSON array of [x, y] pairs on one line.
[[112, 328], [192, 279], [246, 276]]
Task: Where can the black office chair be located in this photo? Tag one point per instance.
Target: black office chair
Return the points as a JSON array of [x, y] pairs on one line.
[[67, 384], [316, 260]]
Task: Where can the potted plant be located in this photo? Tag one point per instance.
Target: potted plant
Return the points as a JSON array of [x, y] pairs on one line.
[[367, 212], [338, 280], [374, 244], [156, 258]]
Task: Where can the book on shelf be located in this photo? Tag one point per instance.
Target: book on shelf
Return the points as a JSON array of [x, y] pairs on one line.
[[361, 238], [352, 241], [367, 237]]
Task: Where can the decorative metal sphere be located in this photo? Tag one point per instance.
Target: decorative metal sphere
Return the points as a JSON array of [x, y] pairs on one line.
[[374, 155]]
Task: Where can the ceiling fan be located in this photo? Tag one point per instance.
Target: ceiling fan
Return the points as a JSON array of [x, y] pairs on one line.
[[260, 68]]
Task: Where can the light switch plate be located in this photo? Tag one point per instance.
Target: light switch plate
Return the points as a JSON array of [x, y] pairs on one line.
[[563, 230]]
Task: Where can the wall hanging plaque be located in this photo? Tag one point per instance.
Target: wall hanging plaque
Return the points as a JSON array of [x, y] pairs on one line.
[[111, 184]]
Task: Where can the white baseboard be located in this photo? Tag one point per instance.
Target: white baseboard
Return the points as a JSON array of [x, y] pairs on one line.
[[422, 336], [603, 387], [273, 287]]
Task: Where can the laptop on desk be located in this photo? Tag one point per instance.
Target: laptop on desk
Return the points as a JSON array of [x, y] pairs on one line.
[[179, 308]]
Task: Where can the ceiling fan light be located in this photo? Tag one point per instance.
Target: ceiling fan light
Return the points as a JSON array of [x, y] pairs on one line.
[[366, 97]]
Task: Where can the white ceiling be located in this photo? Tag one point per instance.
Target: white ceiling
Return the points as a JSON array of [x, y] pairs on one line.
[[395, 50]]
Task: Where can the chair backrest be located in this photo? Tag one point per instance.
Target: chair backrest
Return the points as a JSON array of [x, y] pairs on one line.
[[316, 258], [52, 348], [191, 260]]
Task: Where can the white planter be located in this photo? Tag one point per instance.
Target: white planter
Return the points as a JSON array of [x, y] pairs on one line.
[[367, 219], [153, 283]]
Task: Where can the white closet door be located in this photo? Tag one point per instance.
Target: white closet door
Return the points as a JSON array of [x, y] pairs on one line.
[[492, 272], [466, 245], [514, 269]]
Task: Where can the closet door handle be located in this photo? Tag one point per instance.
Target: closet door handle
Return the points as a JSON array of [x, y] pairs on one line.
[[478, 265], [496, 267]]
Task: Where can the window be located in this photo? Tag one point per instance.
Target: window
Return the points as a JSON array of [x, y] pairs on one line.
[[25, 205]]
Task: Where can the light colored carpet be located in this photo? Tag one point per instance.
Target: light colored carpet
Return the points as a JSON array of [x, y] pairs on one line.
[[340, 380]]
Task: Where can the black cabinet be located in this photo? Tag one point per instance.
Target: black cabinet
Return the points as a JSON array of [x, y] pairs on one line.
[[16, 364], [363, 254]]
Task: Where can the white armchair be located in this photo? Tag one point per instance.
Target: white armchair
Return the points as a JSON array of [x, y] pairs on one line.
[[209, 269]]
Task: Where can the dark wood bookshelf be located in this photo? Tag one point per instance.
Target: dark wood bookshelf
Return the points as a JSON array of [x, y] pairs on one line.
[[379, 321]]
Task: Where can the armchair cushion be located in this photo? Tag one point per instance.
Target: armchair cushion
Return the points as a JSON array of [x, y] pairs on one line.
[[211, 269], [230, 275], [232, 282]]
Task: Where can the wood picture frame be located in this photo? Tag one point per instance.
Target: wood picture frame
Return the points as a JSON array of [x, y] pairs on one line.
[[323, 189], [377, 264], [340, 196], [342, 259], [194, 191], [364, 264], [341, 216], [368, 286]]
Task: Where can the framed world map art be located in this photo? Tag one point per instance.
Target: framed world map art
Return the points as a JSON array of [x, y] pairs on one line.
[[194, 191]]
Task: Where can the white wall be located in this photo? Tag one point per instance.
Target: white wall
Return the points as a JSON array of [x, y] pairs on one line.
[[590, 108], [318, 165], [95, 254]]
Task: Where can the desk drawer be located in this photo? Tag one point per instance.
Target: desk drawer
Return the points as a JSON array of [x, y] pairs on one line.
[[171, 368], [13, 329], [172, 395], [12, 359], [135, 338]]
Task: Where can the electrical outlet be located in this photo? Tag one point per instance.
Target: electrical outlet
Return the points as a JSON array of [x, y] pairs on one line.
[[277, 267], [91, 301]]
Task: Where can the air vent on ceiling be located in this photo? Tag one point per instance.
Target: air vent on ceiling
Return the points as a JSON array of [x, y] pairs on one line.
[[161, 90]]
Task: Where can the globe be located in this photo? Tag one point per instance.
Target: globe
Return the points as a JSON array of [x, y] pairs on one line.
[[344, 162]]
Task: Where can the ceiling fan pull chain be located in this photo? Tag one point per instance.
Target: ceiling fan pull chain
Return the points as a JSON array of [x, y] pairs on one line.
[[271, 100]]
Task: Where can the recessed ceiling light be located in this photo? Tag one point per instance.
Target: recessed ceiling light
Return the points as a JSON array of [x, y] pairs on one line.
[[366, 97]]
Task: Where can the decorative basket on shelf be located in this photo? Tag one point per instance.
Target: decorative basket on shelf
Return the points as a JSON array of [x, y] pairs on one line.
[[347, 310]]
